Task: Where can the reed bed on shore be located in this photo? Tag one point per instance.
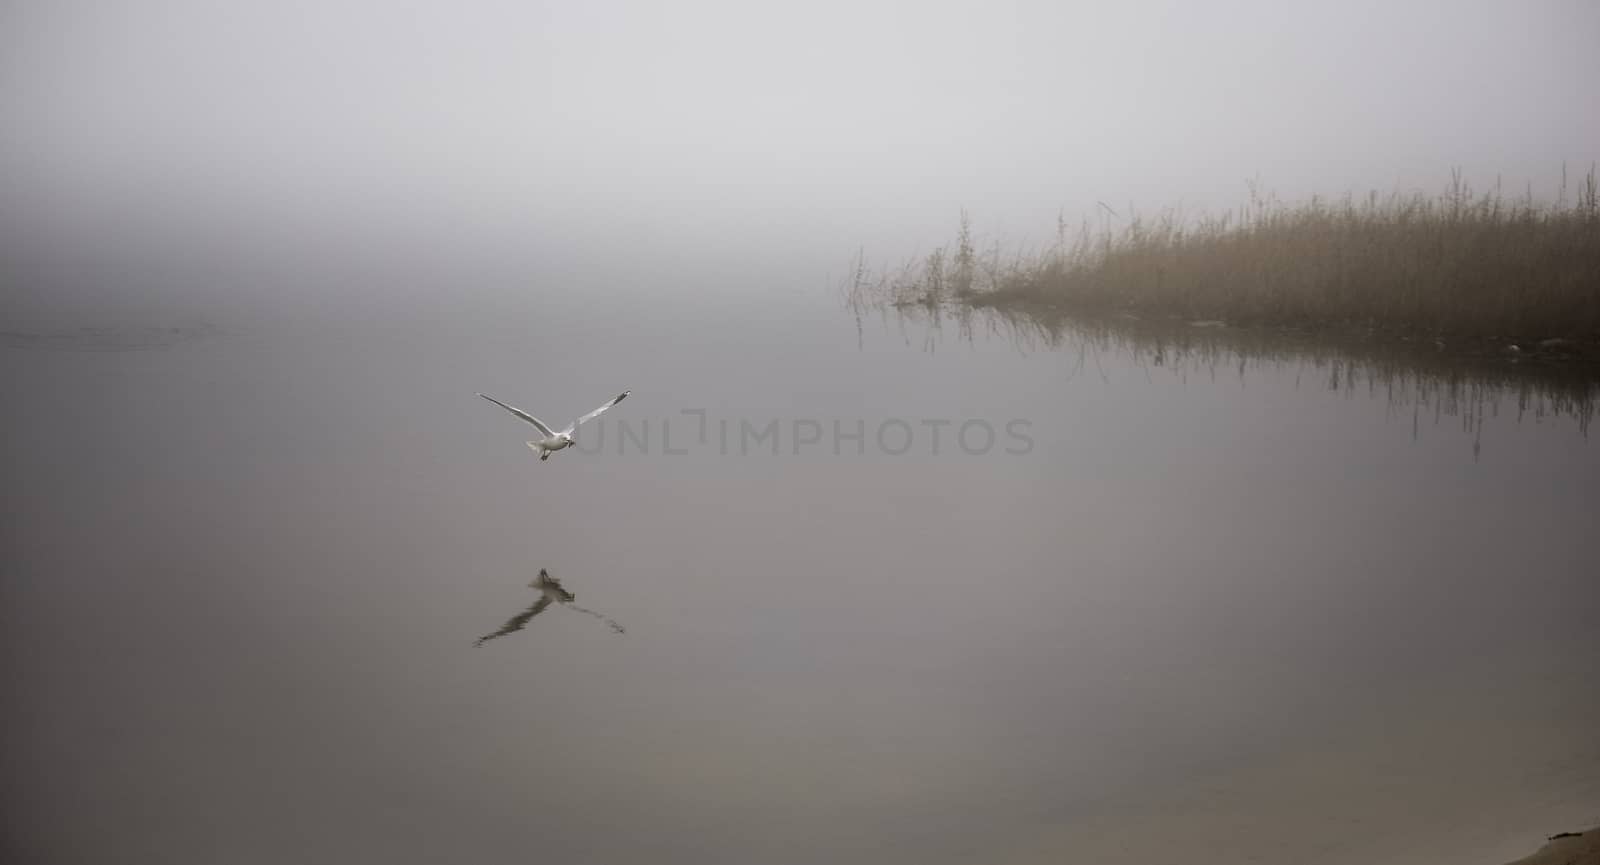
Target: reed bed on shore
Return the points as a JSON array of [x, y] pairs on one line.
[[1461, 265]]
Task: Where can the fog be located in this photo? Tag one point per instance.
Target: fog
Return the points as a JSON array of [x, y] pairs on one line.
[[1214, 604], [722, 126]]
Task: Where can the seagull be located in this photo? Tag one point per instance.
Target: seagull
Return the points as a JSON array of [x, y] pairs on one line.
[[554, 441], [550, 592]]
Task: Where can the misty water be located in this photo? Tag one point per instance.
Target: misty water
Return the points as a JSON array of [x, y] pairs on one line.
[[1125, 609]]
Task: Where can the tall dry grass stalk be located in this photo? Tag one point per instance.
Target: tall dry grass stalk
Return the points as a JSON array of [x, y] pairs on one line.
[[1460, 264]]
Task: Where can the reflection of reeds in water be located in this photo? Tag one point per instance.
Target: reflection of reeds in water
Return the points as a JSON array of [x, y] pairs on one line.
[[1414, 377]]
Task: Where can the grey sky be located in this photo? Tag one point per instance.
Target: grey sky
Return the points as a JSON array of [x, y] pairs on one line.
[[877, 116]]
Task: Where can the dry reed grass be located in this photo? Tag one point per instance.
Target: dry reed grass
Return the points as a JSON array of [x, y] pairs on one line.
[[1457, 266]]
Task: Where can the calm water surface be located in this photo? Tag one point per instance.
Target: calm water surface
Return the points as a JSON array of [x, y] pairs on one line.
[[1203, 616]]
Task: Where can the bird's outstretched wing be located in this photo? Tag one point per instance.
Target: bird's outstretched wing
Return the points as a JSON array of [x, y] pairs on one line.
[[530, 418], [517, 622], [596, 413], [610, 622]]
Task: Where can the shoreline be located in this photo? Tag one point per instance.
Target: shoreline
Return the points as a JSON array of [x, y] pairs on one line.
[[1566, 848]]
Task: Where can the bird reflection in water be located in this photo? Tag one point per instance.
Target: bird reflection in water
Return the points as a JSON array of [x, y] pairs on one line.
[[550, 592]]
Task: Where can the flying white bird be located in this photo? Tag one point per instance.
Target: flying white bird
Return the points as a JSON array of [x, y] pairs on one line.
[[554, 441]]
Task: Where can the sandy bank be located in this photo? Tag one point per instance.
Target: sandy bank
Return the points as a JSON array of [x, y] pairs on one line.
[[1582, 848]]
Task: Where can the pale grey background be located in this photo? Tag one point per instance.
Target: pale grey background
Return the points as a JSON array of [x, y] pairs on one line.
[[1204, 620]]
